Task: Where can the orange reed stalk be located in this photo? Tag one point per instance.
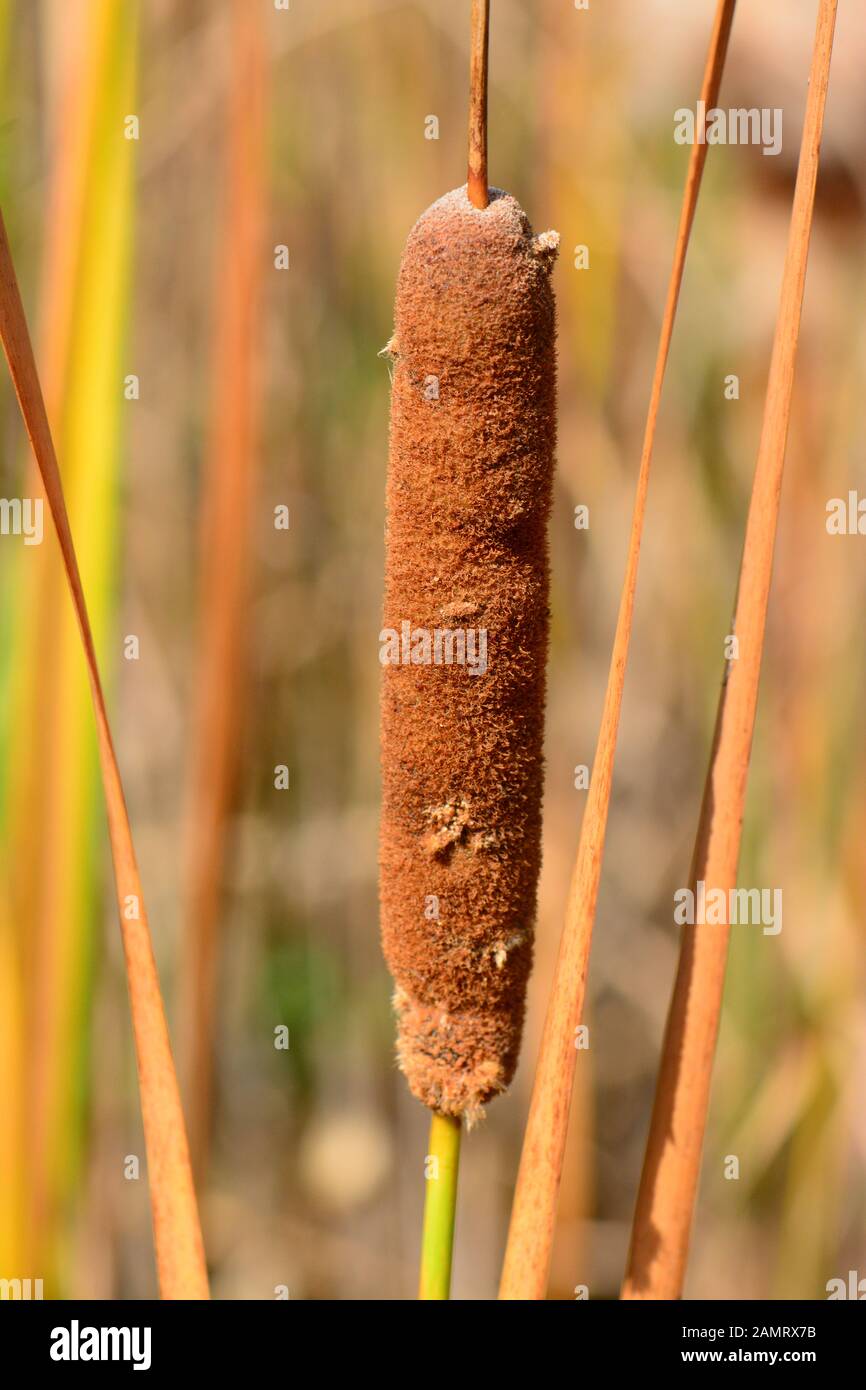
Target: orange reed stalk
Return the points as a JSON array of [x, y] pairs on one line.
[[533, 1218], [179, 1249], [665, 1204], [225, 546], [476, 185]]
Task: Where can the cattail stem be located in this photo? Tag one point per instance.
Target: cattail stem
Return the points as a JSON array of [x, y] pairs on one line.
[[470, 472], [437, 1241], [477, 178]]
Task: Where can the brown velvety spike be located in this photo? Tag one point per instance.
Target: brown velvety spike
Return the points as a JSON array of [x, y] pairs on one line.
[[464, 641]]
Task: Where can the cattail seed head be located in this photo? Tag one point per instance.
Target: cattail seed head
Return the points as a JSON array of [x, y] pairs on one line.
[[464, 641]]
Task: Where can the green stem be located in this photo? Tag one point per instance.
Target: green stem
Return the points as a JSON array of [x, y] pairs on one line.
[[440, 1171]]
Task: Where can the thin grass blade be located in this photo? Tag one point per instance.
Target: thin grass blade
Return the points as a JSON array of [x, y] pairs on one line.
[[179, 1248]]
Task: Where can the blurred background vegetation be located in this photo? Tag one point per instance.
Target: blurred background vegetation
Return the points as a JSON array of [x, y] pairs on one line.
[[131, 254]]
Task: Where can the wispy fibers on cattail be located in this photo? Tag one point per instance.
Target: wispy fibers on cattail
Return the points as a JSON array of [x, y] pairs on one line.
[[464, 646]]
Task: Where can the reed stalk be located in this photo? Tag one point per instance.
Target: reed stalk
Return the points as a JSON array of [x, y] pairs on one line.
[[177, 1233], [13, 1257], [533, 1218], [13, 1254], [668, 1187], [52, 820], [225, 541]]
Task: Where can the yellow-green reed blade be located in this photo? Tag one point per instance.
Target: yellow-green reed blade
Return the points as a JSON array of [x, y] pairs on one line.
[[51, 801]]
